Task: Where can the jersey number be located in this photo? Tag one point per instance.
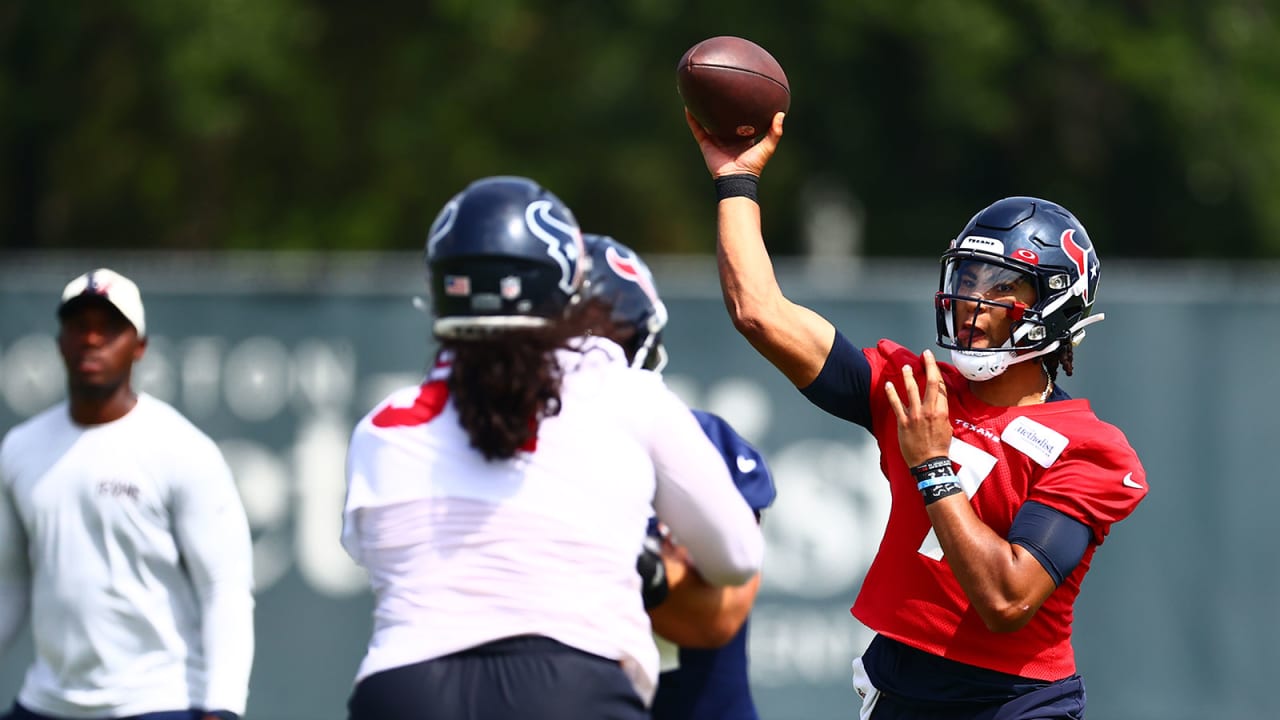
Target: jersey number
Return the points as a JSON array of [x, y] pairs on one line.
[[975, 465], [429, 403]]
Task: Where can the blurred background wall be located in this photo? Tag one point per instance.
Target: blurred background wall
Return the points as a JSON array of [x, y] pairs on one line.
[[266, 170], [1175, 620]]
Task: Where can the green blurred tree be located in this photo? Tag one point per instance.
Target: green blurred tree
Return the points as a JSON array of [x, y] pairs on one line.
[[318, 124]]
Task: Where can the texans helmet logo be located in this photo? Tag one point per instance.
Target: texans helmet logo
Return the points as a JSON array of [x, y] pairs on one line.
[[1079, 257], [627, 268], [443, 223], [563, 240]]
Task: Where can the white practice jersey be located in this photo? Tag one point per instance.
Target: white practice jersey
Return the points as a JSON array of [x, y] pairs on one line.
[[130, 541], [462, 551]]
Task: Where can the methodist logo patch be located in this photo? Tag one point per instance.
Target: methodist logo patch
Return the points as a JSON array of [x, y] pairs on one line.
[[1040, 443]]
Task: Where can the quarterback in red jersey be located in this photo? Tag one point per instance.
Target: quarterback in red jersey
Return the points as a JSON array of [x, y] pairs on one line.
[[1003, 486]]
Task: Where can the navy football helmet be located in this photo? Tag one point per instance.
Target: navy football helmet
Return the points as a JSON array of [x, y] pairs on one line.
[[504, 253], [1017, 240], [620, 278]]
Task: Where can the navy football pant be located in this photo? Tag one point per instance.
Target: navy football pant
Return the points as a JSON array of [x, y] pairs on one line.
[[21, 713], [527, 677], [1061, 700]]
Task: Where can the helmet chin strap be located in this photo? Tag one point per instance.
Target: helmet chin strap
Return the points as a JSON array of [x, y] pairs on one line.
[[983, 366]]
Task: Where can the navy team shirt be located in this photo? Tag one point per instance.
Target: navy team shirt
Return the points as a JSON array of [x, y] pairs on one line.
[[713, 684]]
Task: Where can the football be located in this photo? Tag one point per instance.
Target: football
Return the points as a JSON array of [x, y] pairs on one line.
[[732, 87]]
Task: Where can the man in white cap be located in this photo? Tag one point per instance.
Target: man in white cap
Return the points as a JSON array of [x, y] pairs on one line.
[[122, 531]]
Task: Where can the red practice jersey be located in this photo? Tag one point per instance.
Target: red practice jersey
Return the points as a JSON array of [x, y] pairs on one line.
[[1058, 454]]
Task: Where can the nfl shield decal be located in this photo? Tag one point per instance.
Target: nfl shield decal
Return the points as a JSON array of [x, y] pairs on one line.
[[509, 287]]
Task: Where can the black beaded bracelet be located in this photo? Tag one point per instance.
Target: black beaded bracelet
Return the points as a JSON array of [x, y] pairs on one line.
[[741, 185]]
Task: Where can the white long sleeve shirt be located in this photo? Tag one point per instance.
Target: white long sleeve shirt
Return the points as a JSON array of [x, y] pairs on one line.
[[462, 551], [131, 544]]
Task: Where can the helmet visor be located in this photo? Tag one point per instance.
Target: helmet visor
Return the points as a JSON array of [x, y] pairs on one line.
[[980, 279], [980, 303]]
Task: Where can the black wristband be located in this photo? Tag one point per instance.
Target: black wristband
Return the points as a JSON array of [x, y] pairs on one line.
[[936, 479], [932, 468], [742, 185], [653, 573], [934, 493]]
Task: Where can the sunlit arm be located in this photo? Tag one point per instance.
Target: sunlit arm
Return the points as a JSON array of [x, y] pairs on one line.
[[1005, 582], [697, 614], [794, 338]]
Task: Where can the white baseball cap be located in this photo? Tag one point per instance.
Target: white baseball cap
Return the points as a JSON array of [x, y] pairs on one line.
[[113, 287]]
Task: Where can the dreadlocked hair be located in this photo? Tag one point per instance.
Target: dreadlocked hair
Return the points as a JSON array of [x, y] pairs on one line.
[[1064, 358], [506, 383]]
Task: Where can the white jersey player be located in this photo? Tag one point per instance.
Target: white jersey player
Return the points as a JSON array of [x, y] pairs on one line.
[[500, 506], [122, 533]]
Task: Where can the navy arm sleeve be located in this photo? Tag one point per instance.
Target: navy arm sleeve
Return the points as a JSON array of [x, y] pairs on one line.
[[843, 388], [1057, 540], [746, 465]]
